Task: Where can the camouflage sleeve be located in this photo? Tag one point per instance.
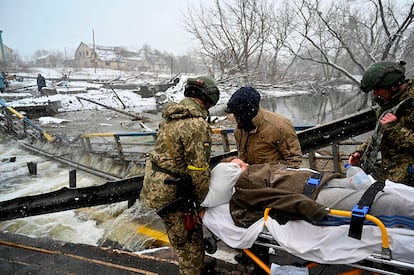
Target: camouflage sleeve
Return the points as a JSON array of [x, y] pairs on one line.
[[399, 134], [196, 139], [361, 148]]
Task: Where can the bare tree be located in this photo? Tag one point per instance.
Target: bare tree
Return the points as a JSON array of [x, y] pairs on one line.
[[346, 36], [408, 55], [232, 35], [120, 54], [282, 24], [327, 38]]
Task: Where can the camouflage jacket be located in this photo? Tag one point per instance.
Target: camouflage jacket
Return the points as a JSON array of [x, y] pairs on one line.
[[273, 139], [397, 143], [183, 145]]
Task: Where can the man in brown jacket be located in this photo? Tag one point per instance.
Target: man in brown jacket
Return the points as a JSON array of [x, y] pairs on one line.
[[262, 136]]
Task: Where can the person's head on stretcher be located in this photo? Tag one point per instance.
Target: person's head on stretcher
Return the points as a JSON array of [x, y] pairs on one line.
[[243, 165], [223, 178]]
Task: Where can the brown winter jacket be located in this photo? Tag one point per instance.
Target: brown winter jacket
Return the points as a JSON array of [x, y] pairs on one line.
[[272, 185], [273, 139]]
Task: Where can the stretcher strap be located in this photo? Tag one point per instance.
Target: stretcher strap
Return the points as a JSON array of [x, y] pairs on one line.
[[156, 167], [361, 209], [312, 184], [386, 251]]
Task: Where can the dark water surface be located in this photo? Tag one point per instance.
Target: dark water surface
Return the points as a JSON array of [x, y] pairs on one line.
[[320, 107]]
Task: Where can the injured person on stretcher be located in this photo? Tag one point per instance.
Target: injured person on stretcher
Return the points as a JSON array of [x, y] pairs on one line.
[[298, 220]]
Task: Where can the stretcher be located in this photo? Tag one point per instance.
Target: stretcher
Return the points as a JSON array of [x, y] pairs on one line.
[[381, 250]]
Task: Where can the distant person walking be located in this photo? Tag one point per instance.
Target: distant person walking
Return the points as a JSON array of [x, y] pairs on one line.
[[5, 79], [41, 82], [65, 80], [2, 84]]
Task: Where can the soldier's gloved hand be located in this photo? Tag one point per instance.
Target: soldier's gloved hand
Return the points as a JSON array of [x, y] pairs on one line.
[[387, 118]]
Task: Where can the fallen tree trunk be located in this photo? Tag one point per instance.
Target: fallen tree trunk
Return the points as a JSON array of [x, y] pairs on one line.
[[135, 117]]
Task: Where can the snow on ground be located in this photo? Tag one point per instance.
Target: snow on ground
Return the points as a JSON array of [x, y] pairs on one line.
[[90, 88], [88, 83], [86, 80], [97, 74], [49, 120], [280, 93], [74, 102]]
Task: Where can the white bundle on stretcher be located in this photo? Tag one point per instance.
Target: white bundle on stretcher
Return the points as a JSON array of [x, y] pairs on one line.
[[322, 244]]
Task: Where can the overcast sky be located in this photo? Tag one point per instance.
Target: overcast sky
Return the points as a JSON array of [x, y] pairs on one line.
[[62, 24]]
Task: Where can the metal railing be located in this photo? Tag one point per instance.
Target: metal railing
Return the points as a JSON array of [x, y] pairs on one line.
[[332, 161], [132, 143]]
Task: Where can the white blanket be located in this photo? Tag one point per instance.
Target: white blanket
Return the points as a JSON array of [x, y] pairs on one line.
[[330, 244]]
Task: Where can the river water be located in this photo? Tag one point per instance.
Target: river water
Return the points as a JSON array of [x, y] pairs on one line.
[[111, 225], [320, 106], [115, 225]]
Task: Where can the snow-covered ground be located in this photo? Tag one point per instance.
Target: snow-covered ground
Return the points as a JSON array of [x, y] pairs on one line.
[[79, 114], [85, 82], [89, 84], [82, 83]]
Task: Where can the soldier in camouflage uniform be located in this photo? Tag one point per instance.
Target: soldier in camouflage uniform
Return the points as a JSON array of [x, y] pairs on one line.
[[183, 146], [395, 97]]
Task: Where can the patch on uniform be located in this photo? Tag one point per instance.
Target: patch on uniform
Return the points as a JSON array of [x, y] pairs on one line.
[[207, 151]]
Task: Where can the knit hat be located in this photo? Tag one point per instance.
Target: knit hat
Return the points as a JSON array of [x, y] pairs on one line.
[[244, 99]]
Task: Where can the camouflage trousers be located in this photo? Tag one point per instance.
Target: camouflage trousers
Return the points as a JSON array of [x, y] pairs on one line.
[[188, 246], [397, 173]]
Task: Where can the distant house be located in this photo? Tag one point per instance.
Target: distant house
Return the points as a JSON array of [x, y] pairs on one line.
[[9, 54], [153, 61], [117, 58], [87, 55], [46, 61]]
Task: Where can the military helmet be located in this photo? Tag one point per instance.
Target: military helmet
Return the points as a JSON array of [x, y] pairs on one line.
[[202, 87], [382, 74]]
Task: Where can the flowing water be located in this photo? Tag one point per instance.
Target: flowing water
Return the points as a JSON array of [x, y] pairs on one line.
[[115, 225], [110, 225]]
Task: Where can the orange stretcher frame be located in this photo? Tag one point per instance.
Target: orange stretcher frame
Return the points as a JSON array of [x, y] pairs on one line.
[[385, 252]]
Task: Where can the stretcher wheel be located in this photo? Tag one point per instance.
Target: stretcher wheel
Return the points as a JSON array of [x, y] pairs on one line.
[[210, 245]]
